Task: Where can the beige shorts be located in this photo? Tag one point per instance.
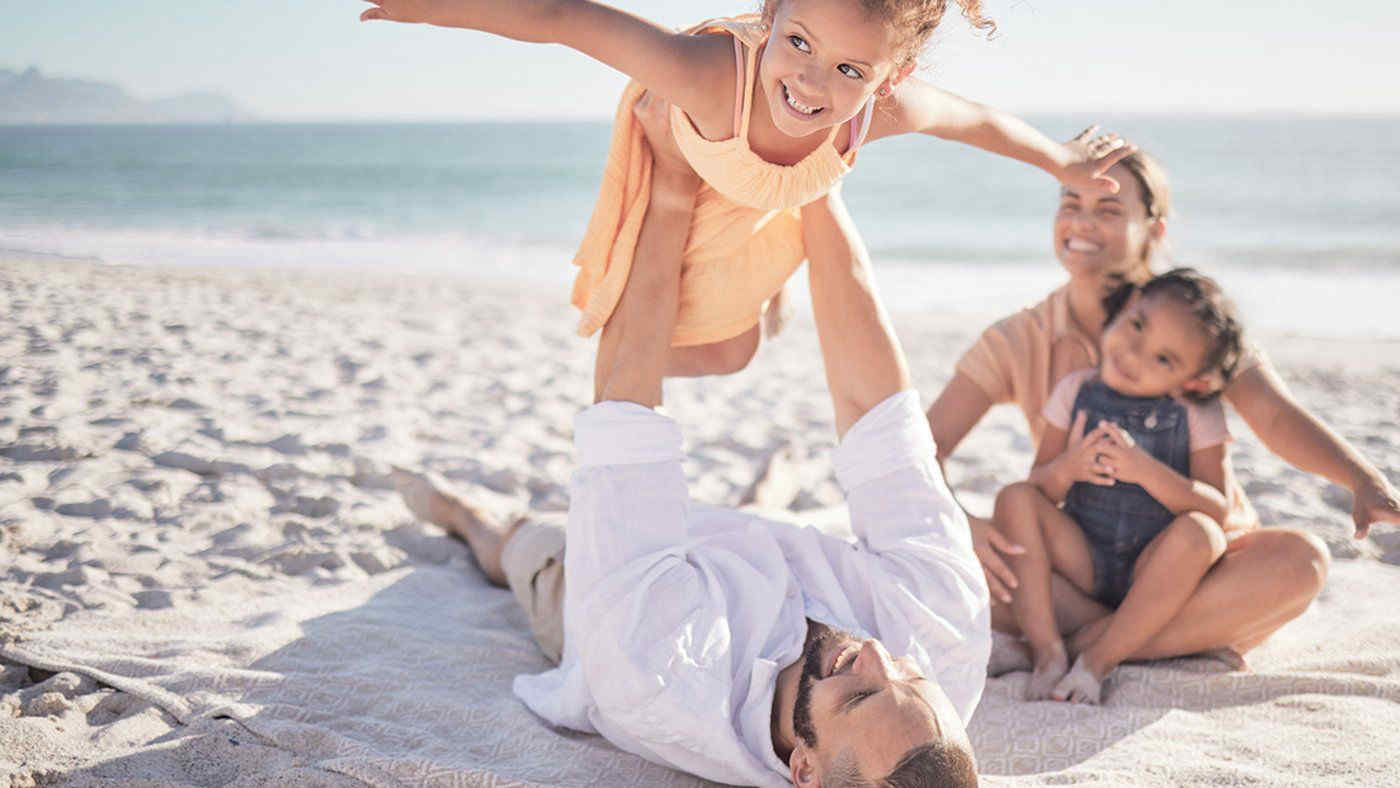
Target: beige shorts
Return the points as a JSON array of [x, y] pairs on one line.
[[533, 562]]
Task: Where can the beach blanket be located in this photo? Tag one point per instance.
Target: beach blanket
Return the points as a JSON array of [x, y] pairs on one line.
[[404, 679]]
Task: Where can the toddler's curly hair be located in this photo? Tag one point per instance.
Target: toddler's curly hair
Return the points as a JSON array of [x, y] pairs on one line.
[[1209, 304], [915, 19]]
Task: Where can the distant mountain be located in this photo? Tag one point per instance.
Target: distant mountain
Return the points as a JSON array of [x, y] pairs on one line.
[[30, 97]]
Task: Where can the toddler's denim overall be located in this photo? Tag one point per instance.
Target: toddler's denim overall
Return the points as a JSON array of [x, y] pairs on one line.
[[1120, 520]]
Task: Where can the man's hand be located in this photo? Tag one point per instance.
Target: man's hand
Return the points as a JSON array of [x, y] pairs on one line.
[[653, 114]]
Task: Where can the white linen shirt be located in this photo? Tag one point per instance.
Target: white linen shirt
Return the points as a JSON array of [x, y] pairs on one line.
[[678, 617]]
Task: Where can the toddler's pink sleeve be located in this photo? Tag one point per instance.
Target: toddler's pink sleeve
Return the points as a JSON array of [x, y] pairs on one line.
[[1059, 406], [1206, 423]]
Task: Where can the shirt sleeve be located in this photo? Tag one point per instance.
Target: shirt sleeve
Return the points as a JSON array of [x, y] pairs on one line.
[[921, 571], [1206, 424], [1059, 407], [628, 496]]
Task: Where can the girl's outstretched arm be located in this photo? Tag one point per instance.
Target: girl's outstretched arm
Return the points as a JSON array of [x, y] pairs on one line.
[[693, 72], [918, 107]]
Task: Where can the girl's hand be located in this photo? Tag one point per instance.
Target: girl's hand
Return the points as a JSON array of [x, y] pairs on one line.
[[410, 11], [1374, 501], [1091, 157], [1083, 457], [989, 544], [1124, 459]]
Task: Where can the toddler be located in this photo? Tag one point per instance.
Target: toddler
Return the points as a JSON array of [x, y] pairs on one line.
[[1136, 450]]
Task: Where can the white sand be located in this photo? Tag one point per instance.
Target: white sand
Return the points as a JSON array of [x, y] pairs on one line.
[[180, 447]]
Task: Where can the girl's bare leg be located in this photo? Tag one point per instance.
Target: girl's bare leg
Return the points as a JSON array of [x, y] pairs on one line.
[[717, 358], [1164, 578], [1052, 540], [484, 534]]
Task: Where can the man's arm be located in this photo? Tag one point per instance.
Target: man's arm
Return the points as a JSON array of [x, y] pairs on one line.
[[636, 341], [864, 363]]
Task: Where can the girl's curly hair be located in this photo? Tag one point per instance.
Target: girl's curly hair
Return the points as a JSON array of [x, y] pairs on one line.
[[915, 19]]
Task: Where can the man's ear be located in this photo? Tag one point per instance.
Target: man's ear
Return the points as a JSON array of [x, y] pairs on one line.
[[803, 763]]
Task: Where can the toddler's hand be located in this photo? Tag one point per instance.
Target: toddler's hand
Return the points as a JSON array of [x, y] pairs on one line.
[[1092, 156], [1124, 459], [1083, 456]]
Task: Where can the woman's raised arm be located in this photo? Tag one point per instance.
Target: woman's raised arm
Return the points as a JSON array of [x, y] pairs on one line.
[[1262, 399]]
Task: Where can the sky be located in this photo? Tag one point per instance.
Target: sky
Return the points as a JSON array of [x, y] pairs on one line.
[[312, 59]]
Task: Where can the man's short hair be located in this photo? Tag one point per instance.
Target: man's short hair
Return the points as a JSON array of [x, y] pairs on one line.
[[940, 764]]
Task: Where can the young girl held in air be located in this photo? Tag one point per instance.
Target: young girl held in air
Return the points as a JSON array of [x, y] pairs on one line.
[[1136, 450], [770, 110]]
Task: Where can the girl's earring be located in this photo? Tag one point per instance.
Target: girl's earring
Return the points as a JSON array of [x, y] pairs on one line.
[[883, 91]]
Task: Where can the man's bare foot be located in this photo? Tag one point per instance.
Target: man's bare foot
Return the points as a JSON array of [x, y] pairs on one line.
[[1049, 669], [777, 485], [1009, 654], [484, 534], [1080, 685]]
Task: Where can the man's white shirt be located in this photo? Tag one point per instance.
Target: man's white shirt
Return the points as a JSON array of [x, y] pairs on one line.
[[679, 616]]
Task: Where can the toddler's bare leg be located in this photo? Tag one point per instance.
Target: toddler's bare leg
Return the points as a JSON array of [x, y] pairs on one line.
[[1052, 541], [1164, 578], [483, 533]]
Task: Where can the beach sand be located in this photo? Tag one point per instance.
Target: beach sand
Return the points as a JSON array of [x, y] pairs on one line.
[[184, 445]]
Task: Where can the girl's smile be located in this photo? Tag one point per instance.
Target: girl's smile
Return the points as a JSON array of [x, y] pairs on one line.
[[823, 60]]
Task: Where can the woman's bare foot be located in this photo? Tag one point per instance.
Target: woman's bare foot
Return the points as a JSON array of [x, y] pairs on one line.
[[1232, 659], [484, 534], [1009, 654], [1079, 685], [1049, 669]]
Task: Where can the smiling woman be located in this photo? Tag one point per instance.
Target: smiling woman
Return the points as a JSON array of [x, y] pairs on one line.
[[1267, 576]]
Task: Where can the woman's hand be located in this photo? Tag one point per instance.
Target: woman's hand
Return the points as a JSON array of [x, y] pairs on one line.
[[989, 545], [1374, 501], [1091, 157]]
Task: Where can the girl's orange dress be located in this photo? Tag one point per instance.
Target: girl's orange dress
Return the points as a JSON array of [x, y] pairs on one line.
[[746, 233]]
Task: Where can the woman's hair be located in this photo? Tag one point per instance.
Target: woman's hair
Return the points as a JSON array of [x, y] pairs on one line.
[[914, 19], [1212, 309], [1156, 192]]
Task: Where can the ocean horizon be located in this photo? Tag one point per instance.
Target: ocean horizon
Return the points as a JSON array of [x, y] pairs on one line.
[[1275, 198]]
